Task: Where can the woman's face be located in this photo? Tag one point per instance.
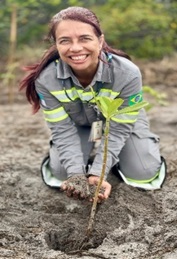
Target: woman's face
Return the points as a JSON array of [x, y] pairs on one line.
[[78, 46]]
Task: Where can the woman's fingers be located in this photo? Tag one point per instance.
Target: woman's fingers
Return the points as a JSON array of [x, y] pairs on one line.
[[105, 187], [76, 187], [63, 186]]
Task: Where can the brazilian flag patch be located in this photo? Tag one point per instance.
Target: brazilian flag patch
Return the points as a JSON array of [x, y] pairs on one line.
[[136, 98]]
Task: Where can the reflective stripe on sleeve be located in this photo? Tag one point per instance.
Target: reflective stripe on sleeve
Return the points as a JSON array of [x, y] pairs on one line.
[[130, 117], [55, 115], [62, 97]]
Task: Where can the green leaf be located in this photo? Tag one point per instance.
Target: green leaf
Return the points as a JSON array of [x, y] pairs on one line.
[[132, 108], [108, 106], [103, 104], [115, 104]]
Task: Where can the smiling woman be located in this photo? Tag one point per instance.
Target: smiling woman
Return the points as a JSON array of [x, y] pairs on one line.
[[79, 60], [79, 50]]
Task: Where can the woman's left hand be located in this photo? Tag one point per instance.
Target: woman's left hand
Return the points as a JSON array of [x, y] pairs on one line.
[[106, 187]]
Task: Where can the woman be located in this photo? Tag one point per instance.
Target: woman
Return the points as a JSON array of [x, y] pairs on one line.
[[60, 85]]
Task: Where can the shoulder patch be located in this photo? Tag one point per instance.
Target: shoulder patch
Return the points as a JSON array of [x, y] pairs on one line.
[[136, 98], [41, 97]]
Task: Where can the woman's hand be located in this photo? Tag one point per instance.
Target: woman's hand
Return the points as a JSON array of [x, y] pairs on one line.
[[80, 187], [105, 187], [76, 186]]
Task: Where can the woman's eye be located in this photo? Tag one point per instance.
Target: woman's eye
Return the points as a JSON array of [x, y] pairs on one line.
[[85, 39], [63, 41]]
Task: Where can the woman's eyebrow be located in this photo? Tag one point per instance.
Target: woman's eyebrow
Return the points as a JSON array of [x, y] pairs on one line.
[[85, 35], [63, 37], [80, 36]]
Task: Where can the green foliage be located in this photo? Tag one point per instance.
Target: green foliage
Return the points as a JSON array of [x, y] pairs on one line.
[[110, 107], [140, 28], [158, 98], [9, 74]]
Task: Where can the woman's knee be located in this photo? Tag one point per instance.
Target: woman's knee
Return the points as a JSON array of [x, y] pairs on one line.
[[138, 171], [140, 158], [55, 165]]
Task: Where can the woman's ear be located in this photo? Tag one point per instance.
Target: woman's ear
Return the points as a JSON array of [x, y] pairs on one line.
[[101, 41]]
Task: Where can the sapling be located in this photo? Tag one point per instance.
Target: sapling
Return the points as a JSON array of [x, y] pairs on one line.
[[109, 108]]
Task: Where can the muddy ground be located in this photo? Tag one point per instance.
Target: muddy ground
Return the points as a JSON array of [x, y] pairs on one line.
[[36, 221]]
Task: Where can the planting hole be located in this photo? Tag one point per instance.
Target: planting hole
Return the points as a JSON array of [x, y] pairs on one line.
[[68, 240]]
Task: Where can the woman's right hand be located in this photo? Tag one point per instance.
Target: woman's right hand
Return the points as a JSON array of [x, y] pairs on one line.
[[76, 186]]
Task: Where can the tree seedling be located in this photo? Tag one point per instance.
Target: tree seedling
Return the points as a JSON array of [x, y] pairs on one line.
[[109, 108]]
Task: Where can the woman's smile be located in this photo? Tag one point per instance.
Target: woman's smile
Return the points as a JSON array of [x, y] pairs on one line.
[[79, 59]]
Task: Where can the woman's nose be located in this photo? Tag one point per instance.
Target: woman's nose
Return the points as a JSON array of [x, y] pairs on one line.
[[75, 47]]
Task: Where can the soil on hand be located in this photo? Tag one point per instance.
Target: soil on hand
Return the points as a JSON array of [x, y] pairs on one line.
[[43, 223]]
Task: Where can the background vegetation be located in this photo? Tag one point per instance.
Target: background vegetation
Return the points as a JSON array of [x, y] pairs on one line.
[[144, 29]]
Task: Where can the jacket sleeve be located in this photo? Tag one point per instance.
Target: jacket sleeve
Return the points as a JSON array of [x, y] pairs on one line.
[[120, 126], [63, 131]]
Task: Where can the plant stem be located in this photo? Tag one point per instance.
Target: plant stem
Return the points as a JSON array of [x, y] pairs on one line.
[[94, 205]]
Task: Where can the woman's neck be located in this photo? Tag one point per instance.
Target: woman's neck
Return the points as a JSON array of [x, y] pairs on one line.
[[85, 81], [85, 77]]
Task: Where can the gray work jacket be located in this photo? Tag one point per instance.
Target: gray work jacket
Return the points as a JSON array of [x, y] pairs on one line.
[[66, 103]]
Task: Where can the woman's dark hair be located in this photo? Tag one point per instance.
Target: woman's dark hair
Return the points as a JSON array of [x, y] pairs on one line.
[[71, 13]]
